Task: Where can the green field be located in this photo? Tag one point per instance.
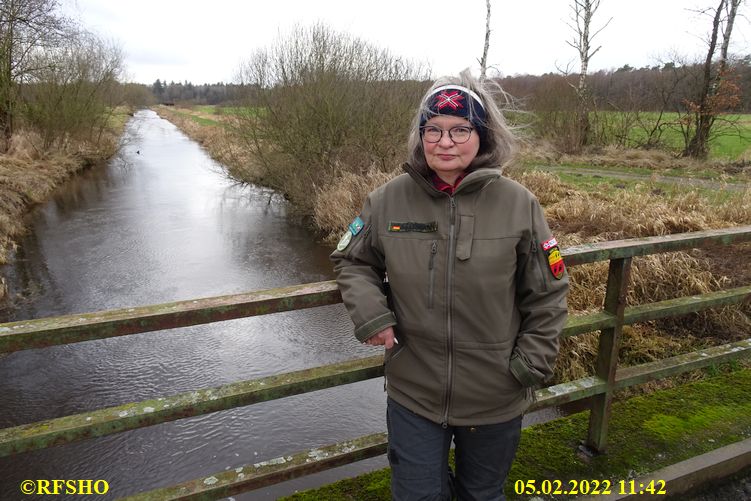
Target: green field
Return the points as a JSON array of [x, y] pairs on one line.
[[612, 187], [201, 120], [733, 133], [222, 110]]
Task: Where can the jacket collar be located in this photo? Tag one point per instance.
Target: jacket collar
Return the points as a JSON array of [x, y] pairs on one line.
[[471, 182]]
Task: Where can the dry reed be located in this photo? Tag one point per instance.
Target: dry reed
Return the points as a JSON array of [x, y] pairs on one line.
[[336, 205]]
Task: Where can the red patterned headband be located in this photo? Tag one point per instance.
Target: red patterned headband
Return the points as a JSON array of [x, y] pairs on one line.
[[457, 101]]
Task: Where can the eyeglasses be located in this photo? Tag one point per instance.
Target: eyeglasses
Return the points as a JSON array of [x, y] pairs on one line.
[[459, 134]]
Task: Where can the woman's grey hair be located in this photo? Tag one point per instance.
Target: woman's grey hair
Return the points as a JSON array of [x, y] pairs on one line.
[[499, 145]]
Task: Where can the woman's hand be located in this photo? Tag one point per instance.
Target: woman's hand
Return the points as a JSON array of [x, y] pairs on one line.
[[385, 337]]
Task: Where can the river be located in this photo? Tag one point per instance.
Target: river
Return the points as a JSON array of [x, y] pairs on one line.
[[159, 223]]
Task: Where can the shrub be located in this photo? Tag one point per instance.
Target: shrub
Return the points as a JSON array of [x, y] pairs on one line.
[[319, 103]]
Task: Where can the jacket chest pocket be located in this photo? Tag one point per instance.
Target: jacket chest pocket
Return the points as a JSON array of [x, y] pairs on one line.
[[464, 237], [415, 268]]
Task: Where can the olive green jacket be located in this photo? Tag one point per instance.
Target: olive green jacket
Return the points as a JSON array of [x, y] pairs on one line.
[[474, 304]]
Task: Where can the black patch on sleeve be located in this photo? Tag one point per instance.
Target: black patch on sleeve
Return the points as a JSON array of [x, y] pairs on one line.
[[408, 226]]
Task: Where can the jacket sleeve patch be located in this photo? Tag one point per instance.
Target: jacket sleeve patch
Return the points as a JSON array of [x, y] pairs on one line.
[[549, 244], [353, 229], [344, 241], [555, 260], [356, 226]]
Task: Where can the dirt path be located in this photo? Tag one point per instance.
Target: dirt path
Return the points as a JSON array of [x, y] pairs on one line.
[[703, 183]]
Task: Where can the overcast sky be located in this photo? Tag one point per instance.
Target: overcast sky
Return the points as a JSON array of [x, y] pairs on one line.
[[206, 41]]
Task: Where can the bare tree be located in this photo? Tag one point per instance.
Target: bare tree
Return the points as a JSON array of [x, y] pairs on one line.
[[484, 60], [26, 27], [718, 93], [581, 20], [71, 95]]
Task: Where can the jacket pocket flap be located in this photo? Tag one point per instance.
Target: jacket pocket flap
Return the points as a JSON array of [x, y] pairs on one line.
[[464, 240]]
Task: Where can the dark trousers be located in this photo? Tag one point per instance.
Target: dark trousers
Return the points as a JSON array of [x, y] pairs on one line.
[[418, 455]]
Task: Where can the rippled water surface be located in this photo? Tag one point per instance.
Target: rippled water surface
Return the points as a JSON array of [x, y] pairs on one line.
[[161, 223]]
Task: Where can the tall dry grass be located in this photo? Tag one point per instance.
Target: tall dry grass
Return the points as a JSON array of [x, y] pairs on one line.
[[579, 217], [640, 212], [337, 204]]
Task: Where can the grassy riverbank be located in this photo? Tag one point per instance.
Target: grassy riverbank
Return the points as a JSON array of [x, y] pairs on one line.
[[29, 176], [647, 433]]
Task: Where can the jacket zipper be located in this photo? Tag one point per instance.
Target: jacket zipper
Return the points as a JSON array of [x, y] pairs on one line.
[[450, 305], [431, 270]]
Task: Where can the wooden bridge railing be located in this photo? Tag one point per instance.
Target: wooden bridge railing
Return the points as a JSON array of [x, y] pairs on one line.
[[601, 386]]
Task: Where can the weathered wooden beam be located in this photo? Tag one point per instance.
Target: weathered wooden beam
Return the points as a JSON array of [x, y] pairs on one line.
[[640, 374], [607, 353], [588, 323], [652, 311], [75, 328], [569, 391], [579, 389], [253, 476], [618, 249], [685, 305], [130, 416], [61, 330]]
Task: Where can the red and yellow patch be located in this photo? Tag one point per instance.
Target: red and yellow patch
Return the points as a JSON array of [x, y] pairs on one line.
[[555, 260]]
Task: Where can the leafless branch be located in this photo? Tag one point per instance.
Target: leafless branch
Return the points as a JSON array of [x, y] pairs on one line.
[[484, 60]]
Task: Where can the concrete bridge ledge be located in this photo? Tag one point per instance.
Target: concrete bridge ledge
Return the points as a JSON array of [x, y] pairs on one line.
[[691, 475]]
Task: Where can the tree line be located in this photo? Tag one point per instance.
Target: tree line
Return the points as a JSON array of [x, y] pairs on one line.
[[187, 92], [651, 88], [650, 100], [63, 82]]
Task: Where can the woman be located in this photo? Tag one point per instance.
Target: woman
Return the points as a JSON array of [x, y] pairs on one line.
[[476, 297]]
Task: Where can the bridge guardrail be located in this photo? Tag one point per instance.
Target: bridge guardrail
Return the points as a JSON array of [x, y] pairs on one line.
[[600, 387]]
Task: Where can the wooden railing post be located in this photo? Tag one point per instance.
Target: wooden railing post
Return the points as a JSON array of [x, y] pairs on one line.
[[607, 353]]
